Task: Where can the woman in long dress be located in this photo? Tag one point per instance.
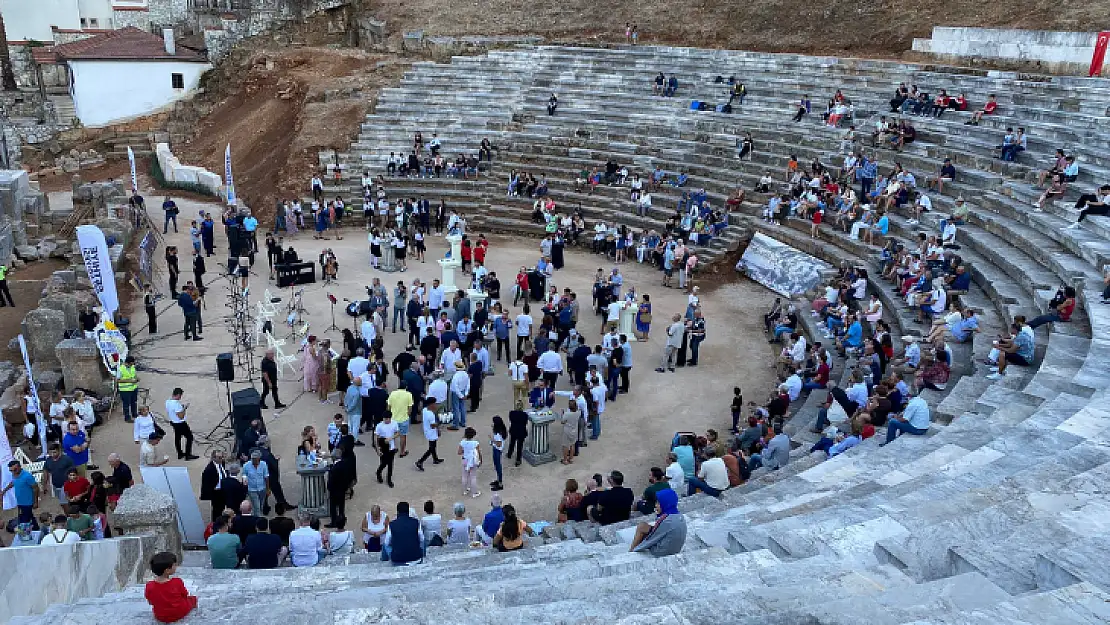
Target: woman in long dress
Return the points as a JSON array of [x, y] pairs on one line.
[[643, 318], [569, 420], [325, 369], [311, 365], [557, 250]]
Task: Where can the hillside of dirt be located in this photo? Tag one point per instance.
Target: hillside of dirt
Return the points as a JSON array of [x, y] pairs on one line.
[[278, 106], [860, 27]]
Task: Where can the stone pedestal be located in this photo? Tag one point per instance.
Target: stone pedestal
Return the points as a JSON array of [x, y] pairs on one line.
[[538, 450], [145, 511], [81, 365], [627, 324], [455, 241], [447, 280], [477, 296], [389, 257], [314, 490]]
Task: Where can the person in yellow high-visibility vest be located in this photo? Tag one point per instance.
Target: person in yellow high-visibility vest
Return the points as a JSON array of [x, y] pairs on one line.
[[4, 292], [127, 383]]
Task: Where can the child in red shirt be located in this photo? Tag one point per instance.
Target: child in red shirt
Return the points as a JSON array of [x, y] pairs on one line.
[[480, 251], [467, 254], [166, 594]]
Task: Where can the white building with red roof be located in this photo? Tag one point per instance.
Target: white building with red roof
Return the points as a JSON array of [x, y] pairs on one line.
[[128, 73]]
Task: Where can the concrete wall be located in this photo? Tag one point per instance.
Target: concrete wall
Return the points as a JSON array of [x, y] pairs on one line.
[[175, 171], [32, 19], [100, 10], [111, 91], [1068, 52]]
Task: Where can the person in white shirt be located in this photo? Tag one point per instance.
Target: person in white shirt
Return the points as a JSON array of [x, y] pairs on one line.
[[921, 205], [368, 332], [359, 364], [523, 325], [305, 544], [175, 410], [613, 315], [645, 204], [460, 392], [793, 386], [712, 477], [431, 433], [431, 524], [598, 392], [435, 298], [389, 433], [438, 390], [552, 365], [674, 342], [60, 535], [58, 410], [676, 477], [450, 356]]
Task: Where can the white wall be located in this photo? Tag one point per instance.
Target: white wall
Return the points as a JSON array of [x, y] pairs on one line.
[[32, 19], [100, 10], [111, 91]]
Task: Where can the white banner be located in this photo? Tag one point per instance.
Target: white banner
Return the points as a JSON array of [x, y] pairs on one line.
[[94, 249], [134, 177], [37, 408], [227, 176]]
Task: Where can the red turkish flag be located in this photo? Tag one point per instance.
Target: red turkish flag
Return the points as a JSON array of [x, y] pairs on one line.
[[1101, 43]]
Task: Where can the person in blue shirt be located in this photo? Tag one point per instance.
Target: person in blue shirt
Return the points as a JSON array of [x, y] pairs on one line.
[[853, 338], [803, 108], [501, 327], [26, 491], [913, 420], [250, 224], [685, 454], [959, 281], [1016, 349], [207, 234], [75, 443], [189, 309], [492, 521], [963, 329]]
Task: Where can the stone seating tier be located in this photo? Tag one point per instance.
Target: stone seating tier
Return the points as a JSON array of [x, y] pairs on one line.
[[996, 516]]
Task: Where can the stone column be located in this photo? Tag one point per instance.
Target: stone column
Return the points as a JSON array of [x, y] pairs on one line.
[[314, 490], [389, 257], [82, 367], [144, 511], [538, 450], [627, 325]]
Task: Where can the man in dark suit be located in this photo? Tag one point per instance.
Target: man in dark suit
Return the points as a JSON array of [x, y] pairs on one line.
[[234, 491], [340, 478], [210, 481]]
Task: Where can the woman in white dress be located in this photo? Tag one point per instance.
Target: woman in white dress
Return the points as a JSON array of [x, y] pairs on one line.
[[471, 452]]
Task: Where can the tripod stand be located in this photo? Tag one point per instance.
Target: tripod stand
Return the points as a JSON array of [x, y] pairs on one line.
[[331, 298]]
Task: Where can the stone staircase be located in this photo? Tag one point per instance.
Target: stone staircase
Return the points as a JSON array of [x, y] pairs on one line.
[[64, 110]]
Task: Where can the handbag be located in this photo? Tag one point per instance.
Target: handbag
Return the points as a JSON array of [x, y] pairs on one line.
[[159, 431]]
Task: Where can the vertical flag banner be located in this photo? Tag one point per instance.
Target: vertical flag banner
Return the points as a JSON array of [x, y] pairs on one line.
[[1100, 53], [94, 250], [134, 176], [230, 182], [36, 409]]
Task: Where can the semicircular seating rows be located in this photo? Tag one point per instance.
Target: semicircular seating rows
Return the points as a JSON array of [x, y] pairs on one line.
[[997, 516]]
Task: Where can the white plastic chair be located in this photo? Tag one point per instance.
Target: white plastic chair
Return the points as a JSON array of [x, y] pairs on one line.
[[284, 360]]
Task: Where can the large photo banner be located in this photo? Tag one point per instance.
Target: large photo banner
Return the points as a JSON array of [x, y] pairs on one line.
[[94, 251], [783, 269]]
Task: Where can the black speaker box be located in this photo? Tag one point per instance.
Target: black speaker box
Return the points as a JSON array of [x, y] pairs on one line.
[[246, 406], [225, 367]]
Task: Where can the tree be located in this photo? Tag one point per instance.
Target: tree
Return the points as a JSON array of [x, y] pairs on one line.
[[7, 72]]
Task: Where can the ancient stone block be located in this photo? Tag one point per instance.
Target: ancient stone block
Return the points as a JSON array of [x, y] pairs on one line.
[[145, 511], [81, 365], [43, 328]]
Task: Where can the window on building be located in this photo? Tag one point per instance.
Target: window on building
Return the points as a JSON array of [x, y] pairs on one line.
[[84, 23], [94, 23], [178, 81]]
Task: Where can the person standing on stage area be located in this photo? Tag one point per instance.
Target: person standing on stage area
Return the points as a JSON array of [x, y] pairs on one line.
[[127, 383], [269, 379], [175, 410], [4, 292]]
